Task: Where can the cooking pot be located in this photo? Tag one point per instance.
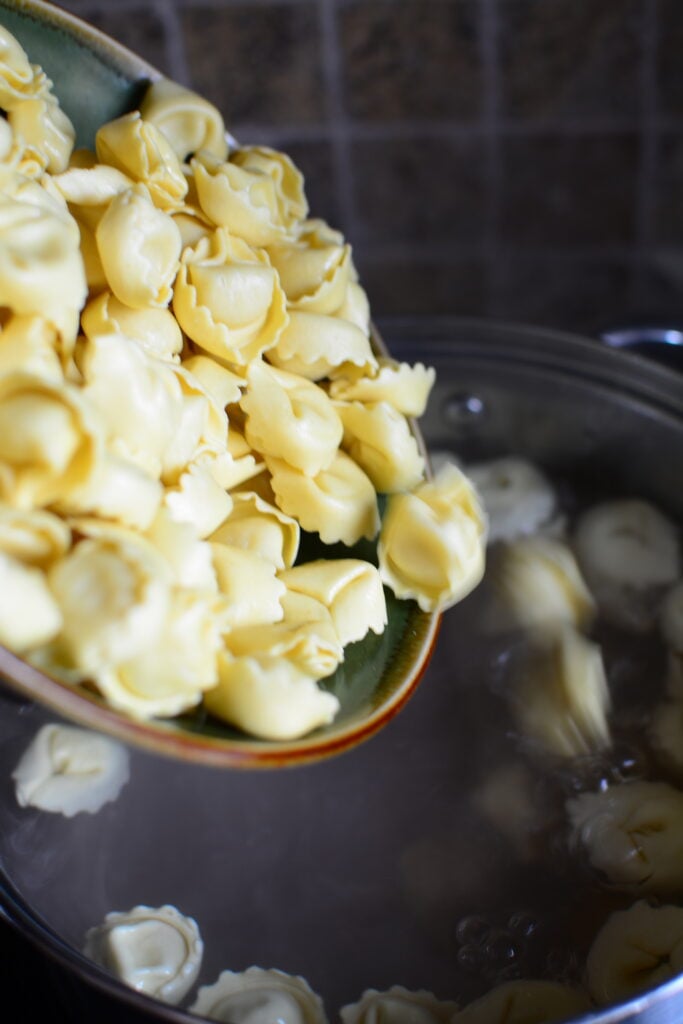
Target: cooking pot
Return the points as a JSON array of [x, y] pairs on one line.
[[414, 859]]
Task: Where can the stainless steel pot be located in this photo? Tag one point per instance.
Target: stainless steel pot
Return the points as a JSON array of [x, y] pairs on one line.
[[377, 868]]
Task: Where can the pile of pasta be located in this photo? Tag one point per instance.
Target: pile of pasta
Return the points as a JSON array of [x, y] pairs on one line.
[[187, 381]]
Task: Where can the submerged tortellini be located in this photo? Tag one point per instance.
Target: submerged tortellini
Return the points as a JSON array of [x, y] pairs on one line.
[[157, 951], [187, 383], [398, 1005], [562, 699], [636, 949], [633, 835], [525, 1002], [540, 584], [258, 996], [68, 771]]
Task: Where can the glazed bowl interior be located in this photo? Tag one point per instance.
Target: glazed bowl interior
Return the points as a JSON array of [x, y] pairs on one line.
[[95, 80], [435, 857]]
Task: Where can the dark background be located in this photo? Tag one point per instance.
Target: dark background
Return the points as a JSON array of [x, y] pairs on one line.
[[510, 158], [517, 159]]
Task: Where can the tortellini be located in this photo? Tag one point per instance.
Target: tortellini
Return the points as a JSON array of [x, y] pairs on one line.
[[140, 150], [187, 382], [156, 951], [258, 996], [290, 418], [41, 267], [339, 502], [433, 538], [317, 346], [404, 386], [630, 554], [633, 835], [139, 247], [269, 696], [29, 614], [635, 950], [188, 121], [69, 771], [517, 497], [378, 438], [525, 1002], [256, 525], [314, 269], [228, 298], [257, 194], [349, 588], [50, 440], [398, 1005], [563, 698], [540, 584]]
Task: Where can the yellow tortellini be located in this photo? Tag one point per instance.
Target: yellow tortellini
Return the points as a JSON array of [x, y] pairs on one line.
[[314, 269], [188, 121], [188, 382], [257, 194], [140, 150], [290, 418], [349, 588], [155, 329], [30, 343], [256, 525], [228, 299], [378, 438], [339, 502], [50, 440], [139, 248], [317, 346], [405, 387], [29, 614], [431, 547], [41, 267], [46, 131], [18, 78], [269, 697]]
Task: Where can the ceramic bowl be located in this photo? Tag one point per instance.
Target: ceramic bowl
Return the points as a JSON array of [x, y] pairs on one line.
[[97, 80]]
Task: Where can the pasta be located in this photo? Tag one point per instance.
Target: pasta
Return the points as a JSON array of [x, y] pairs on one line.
[[257, 996], [157, 951], [187, 382], [634, 950], [525, 1002], [398, 1005], [633, 834], [70, 771]]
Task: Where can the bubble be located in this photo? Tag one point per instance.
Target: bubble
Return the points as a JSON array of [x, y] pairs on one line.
[[463, 409], [523, 923], [471, 958], [472, 930], [502, 947]]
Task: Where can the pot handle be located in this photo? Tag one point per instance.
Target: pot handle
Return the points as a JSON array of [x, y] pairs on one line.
[[663, 344]]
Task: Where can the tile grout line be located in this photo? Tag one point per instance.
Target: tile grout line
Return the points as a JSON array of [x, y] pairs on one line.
[[337, 121], [488, 43], [647, 168], [389, 131], [176, 52], [405, 251]]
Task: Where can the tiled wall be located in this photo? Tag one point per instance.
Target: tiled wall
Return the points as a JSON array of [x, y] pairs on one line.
[[511, 158]]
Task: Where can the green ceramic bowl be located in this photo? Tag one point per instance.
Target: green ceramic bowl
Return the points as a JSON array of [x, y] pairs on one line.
[[97, 80]]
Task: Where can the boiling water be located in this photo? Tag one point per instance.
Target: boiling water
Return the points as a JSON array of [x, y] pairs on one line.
[[436, 856]]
